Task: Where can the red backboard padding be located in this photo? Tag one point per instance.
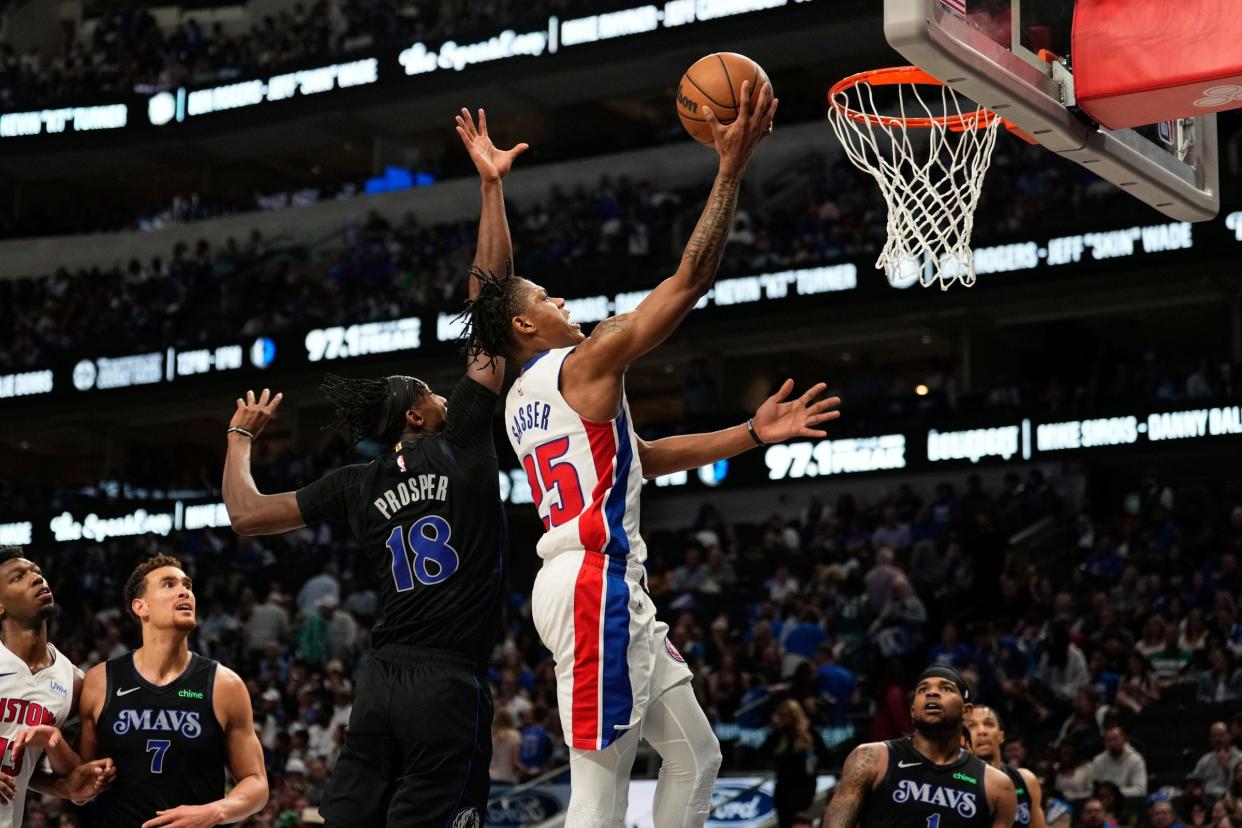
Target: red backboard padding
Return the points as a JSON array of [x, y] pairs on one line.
[[1140, 62]]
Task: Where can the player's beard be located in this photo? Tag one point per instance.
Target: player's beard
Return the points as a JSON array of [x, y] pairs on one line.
[[936, 729]]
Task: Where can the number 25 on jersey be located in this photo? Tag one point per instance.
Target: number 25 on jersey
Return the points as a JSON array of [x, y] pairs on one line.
[[545, 474]]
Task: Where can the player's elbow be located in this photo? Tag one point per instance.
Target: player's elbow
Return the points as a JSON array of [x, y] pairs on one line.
[[245, 524]]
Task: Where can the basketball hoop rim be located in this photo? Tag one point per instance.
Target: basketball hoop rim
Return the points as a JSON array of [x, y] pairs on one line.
[[898, 76]]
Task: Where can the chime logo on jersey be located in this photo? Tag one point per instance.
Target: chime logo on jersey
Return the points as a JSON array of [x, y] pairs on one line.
[[167, 721], [31, 714], [961, 801]]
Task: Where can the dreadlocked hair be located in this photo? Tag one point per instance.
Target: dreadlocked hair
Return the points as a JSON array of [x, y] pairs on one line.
[[371, 408], [487, 321]]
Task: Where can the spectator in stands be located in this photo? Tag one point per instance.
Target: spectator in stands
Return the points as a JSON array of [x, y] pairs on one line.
[[506, 744], [1083, 728], [268, 623], [803, 638], [838, 685], [879, 580], [1234, 794], [1153, 639], [1222, 682], [891, 533], [1138, 687], [1192, 806], [318, 587], [1215, 769], [1073, 775], [1120, 764], [1161, 815], [1114, 804], [1062, 666], [535, 754], [1170, 662], [797, 752], [951, 652], [891, 717], [1093, 815], [898, 630]]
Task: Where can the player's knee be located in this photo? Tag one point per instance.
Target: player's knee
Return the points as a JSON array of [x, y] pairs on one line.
[[706, 749], [588, 814], [709, 757]]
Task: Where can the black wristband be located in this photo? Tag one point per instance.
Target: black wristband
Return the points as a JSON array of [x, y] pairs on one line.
[[754, 435], [241, 431]]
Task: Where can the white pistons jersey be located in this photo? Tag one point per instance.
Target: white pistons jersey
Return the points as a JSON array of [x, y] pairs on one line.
[[585, 476], [28, 700]]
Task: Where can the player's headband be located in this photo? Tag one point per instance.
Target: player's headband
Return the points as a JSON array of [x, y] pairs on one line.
[[938, 671], [403, 392]]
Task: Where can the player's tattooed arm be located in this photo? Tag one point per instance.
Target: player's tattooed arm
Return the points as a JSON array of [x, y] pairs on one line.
[[857, 778], [659, 314], [701, 258]]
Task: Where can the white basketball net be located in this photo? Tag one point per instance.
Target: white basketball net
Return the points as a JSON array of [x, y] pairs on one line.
[[931, 186]]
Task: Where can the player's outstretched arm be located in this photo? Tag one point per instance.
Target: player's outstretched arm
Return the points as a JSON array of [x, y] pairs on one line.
[[863, 767], [494, 253], [245, 757], [618, 341], [777, 420], [250, 511], [1002, 798]]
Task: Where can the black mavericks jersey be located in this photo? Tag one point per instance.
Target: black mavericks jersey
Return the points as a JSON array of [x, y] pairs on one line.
[[430, 519], [167, 743], [916, 793], [1022, 817]]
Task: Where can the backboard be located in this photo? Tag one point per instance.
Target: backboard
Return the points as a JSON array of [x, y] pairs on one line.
[[1014, 57]]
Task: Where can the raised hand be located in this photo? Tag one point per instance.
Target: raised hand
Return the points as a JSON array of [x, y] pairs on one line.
[[778, 420], [736, 142], [253, 414], [492, 163]]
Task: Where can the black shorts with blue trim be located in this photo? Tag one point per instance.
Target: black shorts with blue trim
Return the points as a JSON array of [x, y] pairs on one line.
[[418, 748]]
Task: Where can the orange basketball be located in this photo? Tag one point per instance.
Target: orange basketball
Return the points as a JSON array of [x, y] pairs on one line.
[[716, 81]]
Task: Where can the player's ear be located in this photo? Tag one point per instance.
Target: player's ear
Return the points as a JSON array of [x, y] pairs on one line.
[[414, 417], [523, 325], [138, 606]]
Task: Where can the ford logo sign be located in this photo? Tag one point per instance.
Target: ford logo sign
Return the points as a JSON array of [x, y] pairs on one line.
[[753, 805], [526, 808]]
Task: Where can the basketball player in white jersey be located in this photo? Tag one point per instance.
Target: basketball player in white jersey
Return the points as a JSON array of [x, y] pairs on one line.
[[619, 679], [39, 691]]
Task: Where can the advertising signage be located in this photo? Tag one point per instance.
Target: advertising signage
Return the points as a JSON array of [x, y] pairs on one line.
[[124, 511], [91, 373], [164, 110]]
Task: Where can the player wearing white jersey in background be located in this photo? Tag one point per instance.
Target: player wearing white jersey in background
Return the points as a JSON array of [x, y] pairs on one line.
[[618, 677], [39, 690]]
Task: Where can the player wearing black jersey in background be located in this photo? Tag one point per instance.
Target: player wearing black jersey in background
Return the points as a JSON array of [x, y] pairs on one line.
[[986, 738], [428, 515], [926, 780], [171, 720]]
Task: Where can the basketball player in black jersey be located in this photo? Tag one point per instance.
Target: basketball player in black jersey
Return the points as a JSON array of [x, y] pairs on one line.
[[986, 737], [171, 720], [428, 515], [926, 780]]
